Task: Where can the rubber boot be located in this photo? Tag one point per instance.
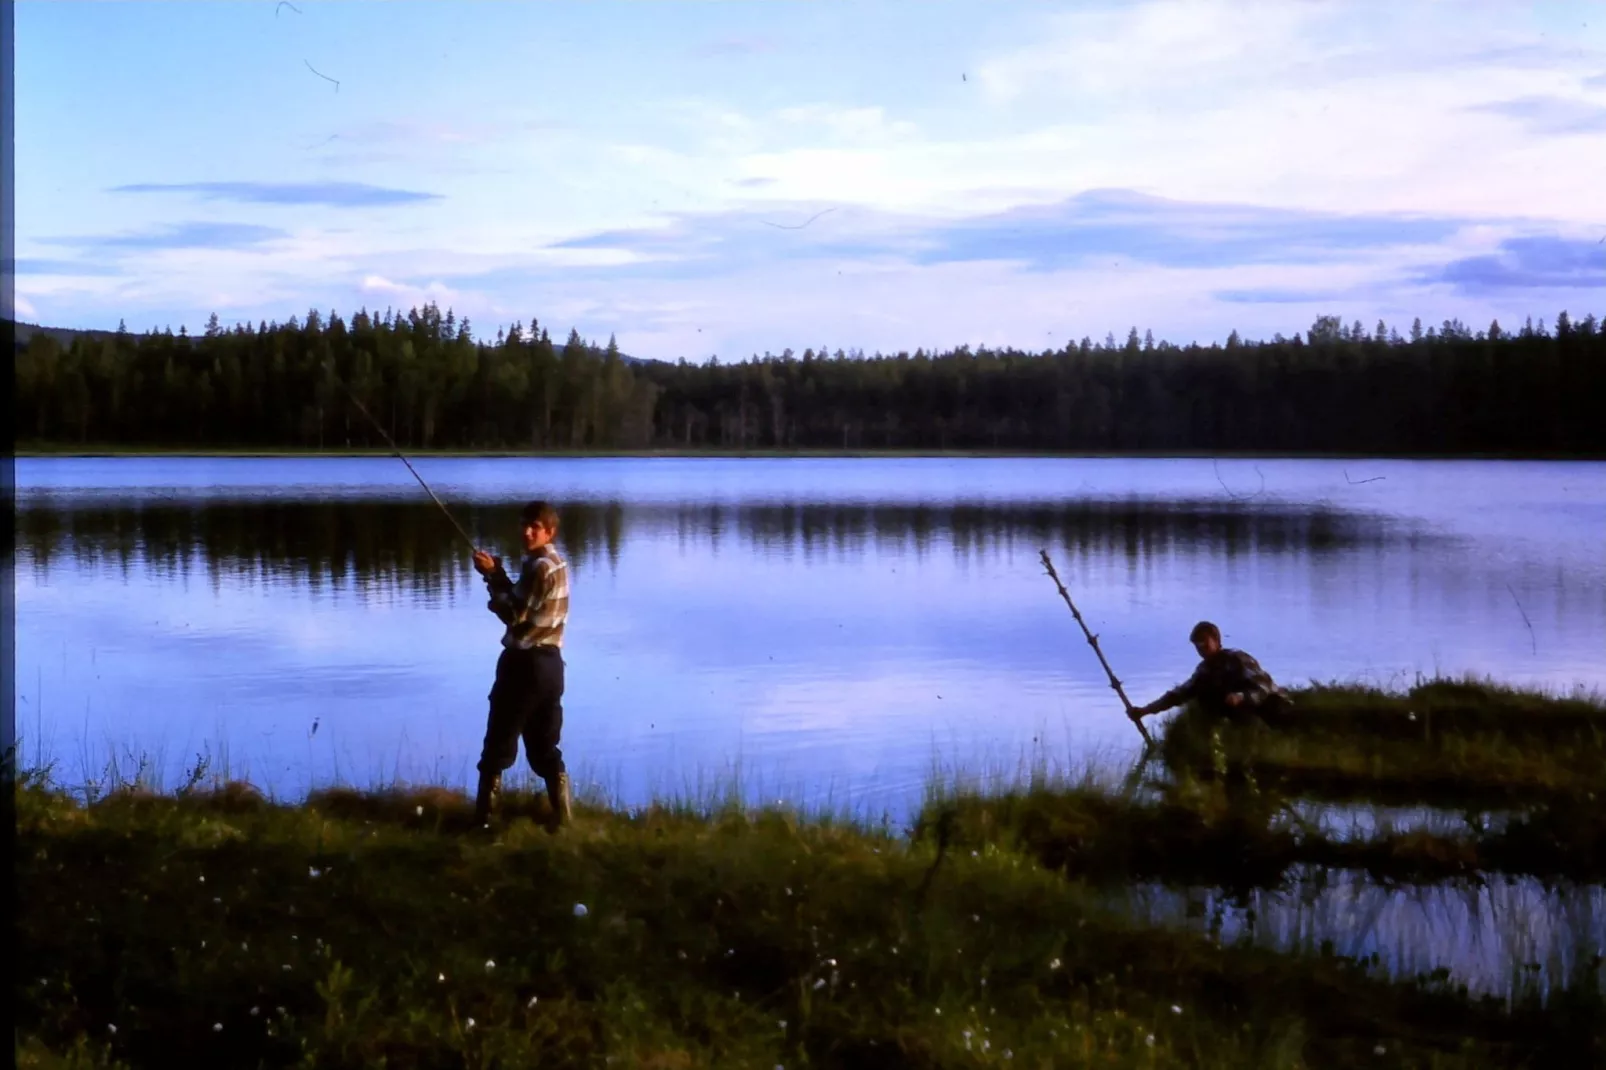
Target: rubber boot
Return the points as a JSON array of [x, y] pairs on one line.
[[489, 794], [557, 792]]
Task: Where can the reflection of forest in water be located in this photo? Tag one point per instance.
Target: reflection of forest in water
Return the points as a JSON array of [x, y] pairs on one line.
[[381, 543]]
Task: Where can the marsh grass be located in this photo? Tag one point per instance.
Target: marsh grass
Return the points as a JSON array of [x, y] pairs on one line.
[[356, 927], [196, 920], [1460, 744], [1200, 834]]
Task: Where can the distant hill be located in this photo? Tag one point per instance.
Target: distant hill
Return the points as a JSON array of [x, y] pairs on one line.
[[64, 337]]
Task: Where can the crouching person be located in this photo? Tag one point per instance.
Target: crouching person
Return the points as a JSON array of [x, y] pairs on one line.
[[1227, 684]]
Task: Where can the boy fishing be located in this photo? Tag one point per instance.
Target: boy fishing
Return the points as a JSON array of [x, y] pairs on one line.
[[527, 697]]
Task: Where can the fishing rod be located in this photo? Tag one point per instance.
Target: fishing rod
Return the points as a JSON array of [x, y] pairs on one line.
[[397, 451], [1093, 641]]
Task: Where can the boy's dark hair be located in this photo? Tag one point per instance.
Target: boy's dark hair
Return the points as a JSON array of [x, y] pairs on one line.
[[542, 513], [1204, 630]]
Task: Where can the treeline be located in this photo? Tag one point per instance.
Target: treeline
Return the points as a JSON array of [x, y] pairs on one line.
[[1444, 390]]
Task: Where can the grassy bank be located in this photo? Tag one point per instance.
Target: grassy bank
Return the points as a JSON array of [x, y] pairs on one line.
[[1197, 836], [1218, 806], [1454, 744], [365, 928], [362, 928]]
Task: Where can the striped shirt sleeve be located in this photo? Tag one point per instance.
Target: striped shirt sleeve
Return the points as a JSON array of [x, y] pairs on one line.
[[536, 607], [1182, 692]]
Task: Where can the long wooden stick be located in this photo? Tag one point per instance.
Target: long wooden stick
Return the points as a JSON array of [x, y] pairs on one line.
[[1093, 641]]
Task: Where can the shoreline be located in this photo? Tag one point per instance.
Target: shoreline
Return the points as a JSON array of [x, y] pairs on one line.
[[824, 453], [363, 926]]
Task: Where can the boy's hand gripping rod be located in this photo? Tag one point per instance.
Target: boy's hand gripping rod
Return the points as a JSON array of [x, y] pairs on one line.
[[1093, 641]]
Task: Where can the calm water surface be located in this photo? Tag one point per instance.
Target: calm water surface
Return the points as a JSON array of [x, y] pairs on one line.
[[831, 628]]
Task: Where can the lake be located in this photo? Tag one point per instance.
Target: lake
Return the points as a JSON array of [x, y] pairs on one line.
[[831, 629]]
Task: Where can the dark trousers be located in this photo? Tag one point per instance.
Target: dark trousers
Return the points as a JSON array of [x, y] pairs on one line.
[[527, 703]]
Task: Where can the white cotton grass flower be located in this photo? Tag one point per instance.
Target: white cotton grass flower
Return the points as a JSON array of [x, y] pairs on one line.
[[580, 910], [1149, 1040], [314, 872], [1175, 1009], [819, 984], [217, 1027], [533, 1001], [112, 1026], [420, 811], [441, 977], [255, 1011], [471, 1023], [1054, 964], [1380, 1050], [490, 964]]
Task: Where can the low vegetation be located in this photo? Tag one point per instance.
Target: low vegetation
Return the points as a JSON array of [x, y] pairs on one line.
[[212, 926]]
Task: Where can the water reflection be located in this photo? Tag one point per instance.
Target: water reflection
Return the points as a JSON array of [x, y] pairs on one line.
[[839, 625], [380, 544], [1508, 936]]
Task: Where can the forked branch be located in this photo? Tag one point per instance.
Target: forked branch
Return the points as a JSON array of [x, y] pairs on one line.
[[1093, 641]]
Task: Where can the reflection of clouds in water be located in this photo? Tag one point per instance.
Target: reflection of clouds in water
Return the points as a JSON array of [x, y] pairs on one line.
[[1486, 937]]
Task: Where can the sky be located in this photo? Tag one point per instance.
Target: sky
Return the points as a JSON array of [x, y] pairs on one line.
[[733, 179]]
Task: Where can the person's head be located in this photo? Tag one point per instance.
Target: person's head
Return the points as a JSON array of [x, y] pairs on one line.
[[538, 524], [1206, 638]]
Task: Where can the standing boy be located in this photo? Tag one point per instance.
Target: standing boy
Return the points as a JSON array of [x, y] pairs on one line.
[[527, 698]]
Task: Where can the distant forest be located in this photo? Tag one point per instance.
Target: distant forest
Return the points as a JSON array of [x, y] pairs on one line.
[[1443, 390]]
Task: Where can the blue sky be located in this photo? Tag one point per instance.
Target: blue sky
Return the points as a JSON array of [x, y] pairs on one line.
[[745, 177]]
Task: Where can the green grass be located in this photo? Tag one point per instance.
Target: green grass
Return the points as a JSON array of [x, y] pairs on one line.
[[1199, 834], [1223, 811], [1457, 744], [213, 927], [208, 925]]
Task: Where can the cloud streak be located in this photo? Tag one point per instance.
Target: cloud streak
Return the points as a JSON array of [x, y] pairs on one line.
[[1549, 115], [1101, 226], [194, 235], [1528, 263], [333, 194], [44, 266]]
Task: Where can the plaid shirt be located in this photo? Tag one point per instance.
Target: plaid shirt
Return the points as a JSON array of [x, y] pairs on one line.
[[537, 606], [1219, 675]]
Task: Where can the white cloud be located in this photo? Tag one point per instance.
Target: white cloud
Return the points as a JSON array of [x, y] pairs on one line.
[[1321, 106], [1158, 49], [406, 293], [21, 308], [1328, 106]]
